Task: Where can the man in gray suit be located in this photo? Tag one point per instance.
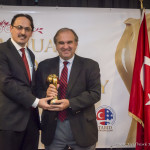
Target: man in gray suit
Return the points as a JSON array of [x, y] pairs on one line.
[[81, 80], [19, 118]]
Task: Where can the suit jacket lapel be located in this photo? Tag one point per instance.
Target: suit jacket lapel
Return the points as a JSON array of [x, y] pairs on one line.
[[51, 67], [33, 64], [75, 70], [17, 57], [56, 66], [32, 57]]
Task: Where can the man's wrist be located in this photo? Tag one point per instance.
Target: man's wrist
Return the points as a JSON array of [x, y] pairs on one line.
[[36, 102]]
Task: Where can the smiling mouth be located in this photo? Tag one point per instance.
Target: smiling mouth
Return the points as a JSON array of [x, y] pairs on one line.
[[66, 50], [22, 37]]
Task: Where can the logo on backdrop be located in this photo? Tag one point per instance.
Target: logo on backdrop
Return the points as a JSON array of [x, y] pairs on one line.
[[106, 117], [38, 30], [5, 26]]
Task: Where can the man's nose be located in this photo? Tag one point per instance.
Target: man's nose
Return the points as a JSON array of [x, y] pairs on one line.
[[23, 31], [66, 45]]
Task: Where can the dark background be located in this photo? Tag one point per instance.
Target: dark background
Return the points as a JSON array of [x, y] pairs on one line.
[[133, 4], [79, 3]]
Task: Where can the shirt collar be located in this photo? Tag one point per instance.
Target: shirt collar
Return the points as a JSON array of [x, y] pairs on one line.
[[69, 60], [18, 47]]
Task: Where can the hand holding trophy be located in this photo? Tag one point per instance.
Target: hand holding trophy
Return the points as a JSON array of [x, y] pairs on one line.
[[53, 79]]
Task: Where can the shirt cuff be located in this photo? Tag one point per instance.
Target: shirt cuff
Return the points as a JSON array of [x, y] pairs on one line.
[[35, 104]]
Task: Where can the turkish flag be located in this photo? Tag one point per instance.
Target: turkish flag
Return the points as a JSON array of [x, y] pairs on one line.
[[139, 104]]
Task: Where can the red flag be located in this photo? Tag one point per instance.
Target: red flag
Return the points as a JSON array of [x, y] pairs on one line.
[[139, 104]]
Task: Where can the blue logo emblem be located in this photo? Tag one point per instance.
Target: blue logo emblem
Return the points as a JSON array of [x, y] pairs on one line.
[[105, 115]]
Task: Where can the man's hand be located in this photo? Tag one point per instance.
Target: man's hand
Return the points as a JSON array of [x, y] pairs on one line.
[[43, 103], [59, 105], [52, 91]]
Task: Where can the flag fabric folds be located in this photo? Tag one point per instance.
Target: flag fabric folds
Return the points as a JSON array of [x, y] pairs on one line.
[[139, 103]]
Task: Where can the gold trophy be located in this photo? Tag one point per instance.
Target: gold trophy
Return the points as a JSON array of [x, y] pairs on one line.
[[53, 79]]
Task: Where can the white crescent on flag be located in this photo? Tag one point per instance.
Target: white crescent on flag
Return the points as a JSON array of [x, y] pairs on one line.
[[147, 62], [148, 103]]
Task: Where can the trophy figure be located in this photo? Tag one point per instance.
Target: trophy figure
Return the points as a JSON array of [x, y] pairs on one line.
[[53, 79]]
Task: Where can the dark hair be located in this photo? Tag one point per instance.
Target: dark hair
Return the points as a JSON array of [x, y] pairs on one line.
[[23, 15], [63, 30]]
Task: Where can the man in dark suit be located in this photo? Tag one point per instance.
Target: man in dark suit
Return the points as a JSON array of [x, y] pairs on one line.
[[19, 118], [78, 129]]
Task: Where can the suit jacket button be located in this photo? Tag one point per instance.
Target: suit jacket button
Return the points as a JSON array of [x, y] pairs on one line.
[[77, 112]]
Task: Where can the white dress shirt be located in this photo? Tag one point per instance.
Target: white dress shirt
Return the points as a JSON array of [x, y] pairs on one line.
[[69, 66]]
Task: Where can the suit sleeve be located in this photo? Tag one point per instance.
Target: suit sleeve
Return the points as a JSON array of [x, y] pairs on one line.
[[90, 88], [11, 85]]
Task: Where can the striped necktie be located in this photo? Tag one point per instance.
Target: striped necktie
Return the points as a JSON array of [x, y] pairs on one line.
[[62, 115]]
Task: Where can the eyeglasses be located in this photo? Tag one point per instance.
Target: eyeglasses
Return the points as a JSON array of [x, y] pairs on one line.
[[20, 28]]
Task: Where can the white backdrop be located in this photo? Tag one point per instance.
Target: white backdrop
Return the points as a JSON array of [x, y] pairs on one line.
[[99, 31]]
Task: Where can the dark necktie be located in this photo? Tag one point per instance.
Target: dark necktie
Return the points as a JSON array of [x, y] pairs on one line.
[[25, 62], [62, 115]]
